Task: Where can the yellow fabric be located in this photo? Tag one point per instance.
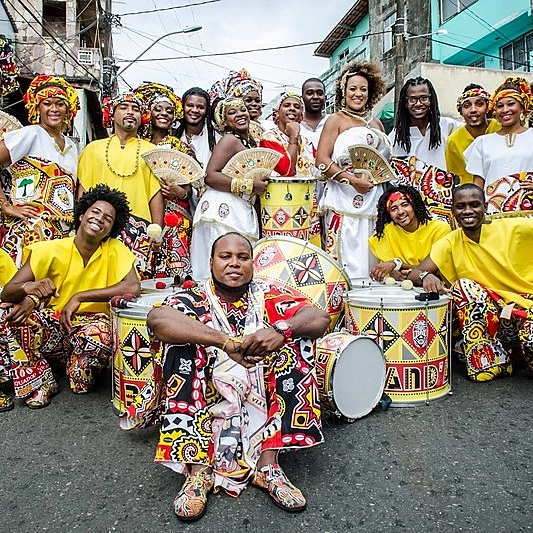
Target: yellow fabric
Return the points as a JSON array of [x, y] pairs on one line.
[[61, 261], [410, 247], [139, 188], [501, 261], [7, 268], [457, 143]]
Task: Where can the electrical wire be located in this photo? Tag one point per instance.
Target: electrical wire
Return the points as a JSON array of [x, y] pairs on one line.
[[166, 8]]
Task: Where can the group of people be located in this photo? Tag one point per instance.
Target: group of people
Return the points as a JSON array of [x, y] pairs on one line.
[[234, 380]]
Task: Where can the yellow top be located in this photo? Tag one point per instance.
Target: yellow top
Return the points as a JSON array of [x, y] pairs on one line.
[[7, 268], [115, 169], [457, 143], [61, 261], [410, 247], [501, 261]]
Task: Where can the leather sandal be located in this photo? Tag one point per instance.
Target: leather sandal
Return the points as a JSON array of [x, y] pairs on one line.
[[6, 403], [191, 502], [285, 495], [42, 396]]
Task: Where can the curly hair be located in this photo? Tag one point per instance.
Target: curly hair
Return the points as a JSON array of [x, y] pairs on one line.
[[197, 91], [369, 71], [102, 192], [403, 117], [384, 218]]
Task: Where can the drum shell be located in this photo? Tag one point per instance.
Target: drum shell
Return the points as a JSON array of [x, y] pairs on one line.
[[132, 350], [304, 270], [350, 374], [414, 338], [286, 207]]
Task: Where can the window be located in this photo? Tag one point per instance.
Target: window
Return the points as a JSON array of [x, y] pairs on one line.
[[449, 8], [517, 54], [344, 54], [388, 37], [479, 63], [55, 17]]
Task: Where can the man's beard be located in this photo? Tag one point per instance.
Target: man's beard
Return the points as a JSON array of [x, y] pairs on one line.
[[130, 125], [221, 286]]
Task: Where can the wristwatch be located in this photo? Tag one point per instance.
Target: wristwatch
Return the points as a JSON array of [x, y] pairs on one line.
[[283, 327], [422, 274], [397, 263]]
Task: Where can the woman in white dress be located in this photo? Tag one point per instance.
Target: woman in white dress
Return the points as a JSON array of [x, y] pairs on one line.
[[350, 197], [502, 162]]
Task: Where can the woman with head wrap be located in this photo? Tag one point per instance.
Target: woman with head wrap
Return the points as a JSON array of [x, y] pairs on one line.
[[43, 167], [225, 207], [502, 162], [297, 152], [350, 196], [165, 109]]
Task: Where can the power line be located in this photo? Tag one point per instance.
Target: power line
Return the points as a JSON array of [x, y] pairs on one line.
[[166, 8]]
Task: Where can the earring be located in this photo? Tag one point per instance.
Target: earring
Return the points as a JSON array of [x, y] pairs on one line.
[[343, 102], [38, 117], [522, 118]]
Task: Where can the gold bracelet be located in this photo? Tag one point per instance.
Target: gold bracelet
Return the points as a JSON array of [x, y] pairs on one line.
[[248, 186], [344, 181], [35, 299], [324, 168], [236, 186], [236, 344], [225, 343], [336, 174]]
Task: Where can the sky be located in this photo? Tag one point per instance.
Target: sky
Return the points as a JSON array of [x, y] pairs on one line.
[[227, 26]]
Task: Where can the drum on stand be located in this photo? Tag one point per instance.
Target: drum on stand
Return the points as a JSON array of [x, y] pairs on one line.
[[132, 358], [350, 374], [414, 336], [286, 207], [304, 270]]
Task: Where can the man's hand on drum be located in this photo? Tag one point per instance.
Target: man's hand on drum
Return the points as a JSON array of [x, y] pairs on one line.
[[432, 283]]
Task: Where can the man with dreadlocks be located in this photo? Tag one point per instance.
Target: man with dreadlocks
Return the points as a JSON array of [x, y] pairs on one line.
[[405, 232]]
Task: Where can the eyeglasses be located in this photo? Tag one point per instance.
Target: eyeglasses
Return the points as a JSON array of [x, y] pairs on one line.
[[423, 99]]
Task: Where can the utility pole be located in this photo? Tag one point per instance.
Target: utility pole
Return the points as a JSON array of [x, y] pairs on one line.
[[399, 41]]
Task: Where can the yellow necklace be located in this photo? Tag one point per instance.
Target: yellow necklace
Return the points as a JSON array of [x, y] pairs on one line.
[[136, 160], [510, 138]]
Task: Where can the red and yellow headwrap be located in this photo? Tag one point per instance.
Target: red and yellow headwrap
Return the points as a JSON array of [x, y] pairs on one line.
[[396, 195], [43, 87], [109, 105], [477, 92], [152, 93], [517, 88]]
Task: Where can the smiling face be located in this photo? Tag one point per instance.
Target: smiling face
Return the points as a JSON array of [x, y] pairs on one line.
[[356, 94], [237, 119], [468, 208], [402, 213], [508, 111], [474, 111], [290, 110], [163, 115], [97, 222], [127, 116], [232, 264], [253, 103], [194, 110], [418, 101], [53, 112]]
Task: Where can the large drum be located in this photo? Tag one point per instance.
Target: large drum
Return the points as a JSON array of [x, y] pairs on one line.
[[286, 207], [350, 374], [304, 270], [414, 336], [132, 355]]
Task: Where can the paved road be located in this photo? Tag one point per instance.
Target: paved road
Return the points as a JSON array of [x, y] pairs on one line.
[[462, 464]]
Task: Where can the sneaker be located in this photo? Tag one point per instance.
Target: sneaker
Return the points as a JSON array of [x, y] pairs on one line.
[[285, 495], [191, 502]]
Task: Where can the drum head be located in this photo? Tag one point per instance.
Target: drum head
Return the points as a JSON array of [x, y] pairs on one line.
[[359, 378], [141, 306], [391, 297]]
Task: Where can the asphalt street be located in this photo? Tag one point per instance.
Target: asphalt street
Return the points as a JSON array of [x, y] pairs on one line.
[[461, 464]]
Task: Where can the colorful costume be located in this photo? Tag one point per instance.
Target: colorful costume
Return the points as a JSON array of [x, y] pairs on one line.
[[104, 161], [87, 346], [457, 143], [350, 216], [7, 342], [216, 412], [487, 277], [410, 247]]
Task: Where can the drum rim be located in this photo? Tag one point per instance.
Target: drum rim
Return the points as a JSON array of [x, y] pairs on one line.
[[306, 244], [282, 179]]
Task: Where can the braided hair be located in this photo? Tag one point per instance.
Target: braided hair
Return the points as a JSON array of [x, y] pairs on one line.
[[403, 117], [197, 91], [384, 218]]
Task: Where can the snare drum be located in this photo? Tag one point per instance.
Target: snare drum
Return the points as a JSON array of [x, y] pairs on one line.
[[132, 355], [304, 270], [350, 374], [286, 207], [413, 335]]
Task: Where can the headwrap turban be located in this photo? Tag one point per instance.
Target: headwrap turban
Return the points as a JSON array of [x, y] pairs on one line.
[[153, 93], [477, 92], [108, 108], [239, 84], [396, 195], [521, 92], [43, 87], [286, 95], [223, 106]]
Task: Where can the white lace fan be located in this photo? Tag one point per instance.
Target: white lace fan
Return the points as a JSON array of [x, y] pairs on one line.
[[175, 167], [252, 162], [367, 158], [8, 123]]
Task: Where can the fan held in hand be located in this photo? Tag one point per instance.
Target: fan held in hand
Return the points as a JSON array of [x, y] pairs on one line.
[[174, 167]]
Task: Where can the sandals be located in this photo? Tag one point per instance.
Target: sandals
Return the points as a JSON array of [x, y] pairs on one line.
[[285, 495], [491, 373], [42, 396], [191, 502], [6, 403]]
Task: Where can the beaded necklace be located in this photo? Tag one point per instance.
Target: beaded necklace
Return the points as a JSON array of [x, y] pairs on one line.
[[248, 143], [136, 160], [365, 116]]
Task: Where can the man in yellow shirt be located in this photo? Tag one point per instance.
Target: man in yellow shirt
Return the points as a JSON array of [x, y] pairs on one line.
[[69, 283], [404, 233], [473, 105], [117, 162], [488, 266]]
